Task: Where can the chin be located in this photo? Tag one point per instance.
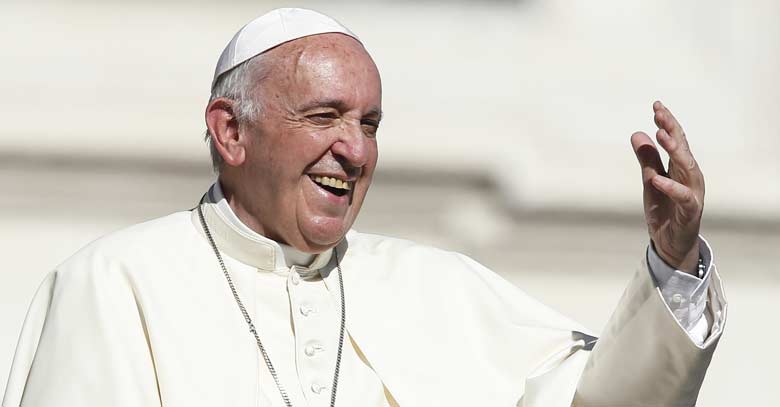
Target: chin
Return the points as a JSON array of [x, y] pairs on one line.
[[324, 234]]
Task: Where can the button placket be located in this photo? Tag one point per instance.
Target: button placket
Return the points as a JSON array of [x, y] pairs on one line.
[[315, 324]]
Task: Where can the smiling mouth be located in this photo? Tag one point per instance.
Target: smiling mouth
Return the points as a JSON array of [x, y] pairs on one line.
[[333, 185]]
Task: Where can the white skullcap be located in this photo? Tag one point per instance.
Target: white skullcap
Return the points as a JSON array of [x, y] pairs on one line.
[[273, 29]]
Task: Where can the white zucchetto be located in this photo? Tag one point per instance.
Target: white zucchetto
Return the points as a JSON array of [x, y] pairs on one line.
[[273, 29]]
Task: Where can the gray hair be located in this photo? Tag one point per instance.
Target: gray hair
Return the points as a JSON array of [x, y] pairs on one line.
[[235, 85]]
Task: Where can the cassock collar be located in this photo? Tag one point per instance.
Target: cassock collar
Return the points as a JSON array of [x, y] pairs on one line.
[[237, 240]]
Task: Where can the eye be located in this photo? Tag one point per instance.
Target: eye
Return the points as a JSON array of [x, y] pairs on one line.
[[370, 127], [323, 117]]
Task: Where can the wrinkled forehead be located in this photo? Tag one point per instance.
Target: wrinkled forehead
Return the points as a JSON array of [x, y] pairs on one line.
[[325, 65]]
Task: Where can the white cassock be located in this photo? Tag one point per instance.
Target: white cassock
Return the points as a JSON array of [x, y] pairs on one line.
[[144, 317]]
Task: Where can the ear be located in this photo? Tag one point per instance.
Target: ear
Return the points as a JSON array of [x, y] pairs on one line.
[[223, 126]]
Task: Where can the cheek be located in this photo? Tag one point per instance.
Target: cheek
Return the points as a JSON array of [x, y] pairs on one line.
[[285, 158], [367, 173], [373, 153]]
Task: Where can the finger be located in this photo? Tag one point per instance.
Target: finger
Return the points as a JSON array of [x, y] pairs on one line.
[[647, 155], [679, 193], [664, 119], [681, 158], [671, 137]]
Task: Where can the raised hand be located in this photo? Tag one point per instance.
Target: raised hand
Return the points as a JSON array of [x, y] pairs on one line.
[[673, 199]]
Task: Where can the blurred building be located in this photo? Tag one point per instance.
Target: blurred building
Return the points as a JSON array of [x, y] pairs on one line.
[[505, 137]]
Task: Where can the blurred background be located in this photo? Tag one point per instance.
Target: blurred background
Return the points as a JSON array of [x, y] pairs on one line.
[[506, 136]]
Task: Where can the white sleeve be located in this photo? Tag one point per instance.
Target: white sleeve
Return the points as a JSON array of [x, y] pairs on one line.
[[645, 355], [685, 294]]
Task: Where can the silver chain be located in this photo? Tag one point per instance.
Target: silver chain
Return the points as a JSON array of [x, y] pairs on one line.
[[253, 330]]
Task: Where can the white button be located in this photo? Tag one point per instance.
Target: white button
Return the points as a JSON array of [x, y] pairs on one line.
[[307, 309], [294, 278], [677, 298], [317, 388], [311, 349]]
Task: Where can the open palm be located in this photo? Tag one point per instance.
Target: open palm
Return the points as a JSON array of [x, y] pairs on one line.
[[673, 198]]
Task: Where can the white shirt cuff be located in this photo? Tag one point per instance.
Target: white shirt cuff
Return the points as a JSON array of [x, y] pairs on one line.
[[684, 294]]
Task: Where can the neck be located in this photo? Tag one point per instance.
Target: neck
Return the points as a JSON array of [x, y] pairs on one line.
[[243, 210], [230, 214]]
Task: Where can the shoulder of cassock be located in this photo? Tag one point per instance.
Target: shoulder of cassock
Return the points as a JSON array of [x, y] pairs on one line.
[[86, 327], [440, 326]]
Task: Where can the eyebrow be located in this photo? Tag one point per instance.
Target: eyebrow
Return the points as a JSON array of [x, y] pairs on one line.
[[339, 105]]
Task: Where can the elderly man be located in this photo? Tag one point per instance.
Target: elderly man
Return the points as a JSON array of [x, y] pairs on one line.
[[263, 296]]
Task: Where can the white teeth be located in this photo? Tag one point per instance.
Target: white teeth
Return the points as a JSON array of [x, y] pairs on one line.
[[332, 182]]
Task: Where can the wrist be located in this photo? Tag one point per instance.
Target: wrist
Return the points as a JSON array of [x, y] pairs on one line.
[[687, 263]]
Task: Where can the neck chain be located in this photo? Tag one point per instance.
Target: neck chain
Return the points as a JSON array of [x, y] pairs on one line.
[[253, 330]]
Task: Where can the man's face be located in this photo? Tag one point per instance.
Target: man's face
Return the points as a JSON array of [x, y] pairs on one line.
[[312, 151]]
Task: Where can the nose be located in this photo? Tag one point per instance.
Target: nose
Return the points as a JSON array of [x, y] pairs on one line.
[[353, 147]]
